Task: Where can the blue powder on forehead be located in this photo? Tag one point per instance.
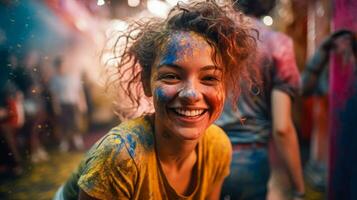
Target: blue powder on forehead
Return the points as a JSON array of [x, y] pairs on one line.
[[178, 43], [170, 52]]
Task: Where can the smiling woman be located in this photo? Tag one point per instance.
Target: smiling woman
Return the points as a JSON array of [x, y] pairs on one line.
[[188, 92], [187, 64]]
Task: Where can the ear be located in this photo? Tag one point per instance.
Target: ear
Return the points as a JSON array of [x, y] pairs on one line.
[[145, 81]]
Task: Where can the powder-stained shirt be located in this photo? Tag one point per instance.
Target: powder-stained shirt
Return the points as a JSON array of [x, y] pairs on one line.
[[252, 121], [124, 165]]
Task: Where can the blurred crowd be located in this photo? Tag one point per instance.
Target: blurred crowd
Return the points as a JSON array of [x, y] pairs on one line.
[[42, 106]]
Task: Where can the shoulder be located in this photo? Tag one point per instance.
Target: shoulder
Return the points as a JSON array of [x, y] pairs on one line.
[[282, 36], [217, 139], [281, 43], [274, 40], [274, 37], [136, 132], [216, 132], [217, 154], [115, 160], [126, 141]]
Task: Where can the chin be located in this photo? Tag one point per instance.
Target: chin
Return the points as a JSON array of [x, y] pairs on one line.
[[190, 133]]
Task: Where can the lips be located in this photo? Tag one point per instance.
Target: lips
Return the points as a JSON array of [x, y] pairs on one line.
[[189, 112], [188, 116]]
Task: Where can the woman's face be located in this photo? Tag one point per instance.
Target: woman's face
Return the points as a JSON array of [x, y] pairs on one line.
[[186, 86]]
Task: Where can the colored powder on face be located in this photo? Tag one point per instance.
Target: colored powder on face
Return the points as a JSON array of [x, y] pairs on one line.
[[161, 95], [188, 93], [170, 56], [170, 53], [182, 46]]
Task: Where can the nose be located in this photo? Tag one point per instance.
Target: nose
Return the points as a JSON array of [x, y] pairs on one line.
[[189, 93]]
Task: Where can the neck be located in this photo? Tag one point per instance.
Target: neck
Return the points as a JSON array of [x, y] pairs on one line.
[[174, 153], [172, 150]]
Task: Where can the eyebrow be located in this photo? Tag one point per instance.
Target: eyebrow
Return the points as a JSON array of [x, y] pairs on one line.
[[211, 67], [205, 68], [170, 65]]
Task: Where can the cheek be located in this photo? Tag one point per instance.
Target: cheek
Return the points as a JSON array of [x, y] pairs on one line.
[[216, 98], [220, 98], [163, 95]]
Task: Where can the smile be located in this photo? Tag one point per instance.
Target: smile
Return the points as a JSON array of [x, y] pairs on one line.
[[189, 112]]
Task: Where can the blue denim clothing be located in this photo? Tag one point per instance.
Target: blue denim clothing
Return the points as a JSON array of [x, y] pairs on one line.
[[249, 175]]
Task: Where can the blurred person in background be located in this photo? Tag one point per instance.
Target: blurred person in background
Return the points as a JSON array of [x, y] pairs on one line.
[[315, 83], [11, 116], [48, 126], [28, 78], [262, 132], [69, 104]]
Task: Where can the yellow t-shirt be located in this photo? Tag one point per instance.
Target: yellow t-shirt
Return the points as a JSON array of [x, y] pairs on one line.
[[123, 165]]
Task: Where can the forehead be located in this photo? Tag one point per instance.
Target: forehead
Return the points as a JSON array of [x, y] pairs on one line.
[[186, 39], [182, 45]]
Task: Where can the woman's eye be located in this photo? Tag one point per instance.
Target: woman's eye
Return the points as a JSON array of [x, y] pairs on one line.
[[211, 79], [170, 78]]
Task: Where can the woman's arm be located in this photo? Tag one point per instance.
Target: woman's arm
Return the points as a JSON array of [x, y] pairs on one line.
[[285, 139]]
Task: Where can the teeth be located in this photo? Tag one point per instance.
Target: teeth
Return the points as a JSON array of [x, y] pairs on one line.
[[189, 113]]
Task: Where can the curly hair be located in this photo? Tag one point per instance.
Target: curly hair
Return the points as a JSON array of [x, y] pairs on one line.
[[230, 35], [256, 8]]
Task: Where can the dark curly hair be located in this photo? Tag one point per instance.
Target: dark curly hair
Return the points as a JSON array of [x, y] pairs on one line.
[[225, 30], [255, 8]]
